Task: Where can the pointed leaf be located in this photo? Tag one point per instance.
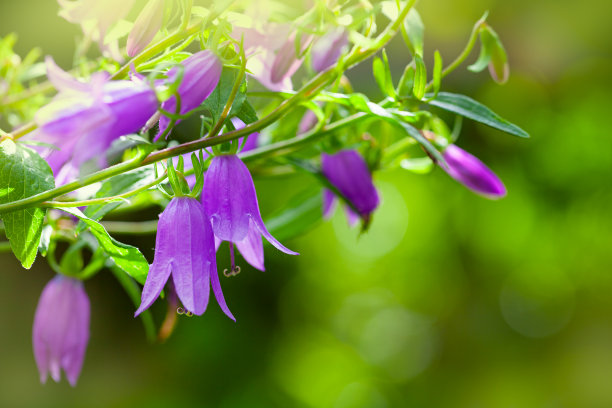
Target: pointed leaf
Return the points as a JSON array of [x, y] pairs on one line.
[[126, 257], [23, 173], [465, 106]]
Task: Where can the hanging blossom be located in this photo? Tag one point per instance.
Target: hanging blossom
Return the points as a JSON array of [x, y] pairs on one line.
[[349, 173], [61, 329], [201, 75], [146, 26], [84, 118], [185, 249], [327, 49], [472, 173], [230, 201]]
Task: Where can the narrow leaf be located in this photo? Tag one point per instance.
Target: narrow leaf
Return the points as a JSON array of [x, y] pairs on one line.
[[128, 258], [469, 108], [437, 73], [420, 78]]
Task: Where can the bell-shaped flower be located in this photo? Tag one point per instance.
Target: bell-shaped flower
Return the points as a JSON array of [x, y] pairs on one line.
[[328, 48], [86, 117], [61, 329], [201, 74], [230, 201], [185, 249], [348, 172], [147, 24], [472, 173]]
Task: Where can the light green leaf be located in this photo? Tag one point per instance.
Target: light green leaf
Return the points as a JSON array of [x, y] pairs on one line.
[[469, 108], [126, 257], [420, 78], [23, 173], [437, 73], [414, 32]]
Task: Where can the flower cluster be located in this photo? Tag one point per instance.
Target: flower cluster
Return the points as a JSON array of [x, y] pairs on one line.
[[210, 198]]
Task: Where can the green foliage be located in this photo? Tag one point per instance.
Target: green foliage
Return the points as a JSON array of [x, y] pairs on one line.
[[469, 108], [23, 173], [219, 97], [128, 258]]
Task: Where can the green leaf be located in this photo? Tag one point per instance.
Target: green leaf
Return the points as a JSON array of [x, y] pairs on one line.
[[119, 184], [302, 213], [437, 73], [406, 83], [126, 257], [492, 54], [420, 78], [382, 75], [23, 173], [219, 97], [469, 108], [414, 32], [247, 113]]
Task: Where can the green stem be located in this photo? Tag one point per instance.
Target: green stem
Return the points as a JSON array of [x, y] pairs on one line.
[[464, 54], [312, 88], [129, 227], [228, 105], [103, 200]]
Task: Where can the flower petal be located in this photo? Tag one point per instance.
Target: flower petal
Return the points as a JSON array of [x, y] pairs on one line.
[[189, 265], [216, 285], [329, 199], [251, 248]]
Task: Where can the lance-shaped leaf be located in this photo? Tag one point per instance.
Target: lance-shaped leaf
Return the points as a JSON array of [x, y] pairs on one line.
[[469, 108], [128, 258], [218, 98], [23, 173]]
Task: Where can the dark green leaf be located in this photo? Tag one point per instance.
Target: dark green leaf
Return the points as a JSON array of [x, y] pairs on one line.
[[247, 113], [126, 257], [219, 97], [23, 173], [465, 106]]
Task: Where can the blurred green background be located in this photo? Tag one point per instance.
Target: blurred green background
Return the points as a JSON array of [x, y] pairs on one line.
[[450, 300]]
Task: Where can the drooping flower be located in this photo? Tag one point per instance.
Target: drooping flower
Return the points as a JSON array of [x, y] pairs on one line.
[[86, 117], [472, 173], [185, 249], [348, 172], [61, 329], [147, 24], [328, 48], [230, 201], [201, 75]]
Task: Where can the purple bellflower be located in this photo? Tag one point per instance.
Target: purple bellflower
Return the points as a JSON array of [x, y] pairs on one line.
[[61, 329], [147, 24], [86, 117], [230, 201], [328, 48], [201, 75], [472, 173], [185, 249], [349, 173]]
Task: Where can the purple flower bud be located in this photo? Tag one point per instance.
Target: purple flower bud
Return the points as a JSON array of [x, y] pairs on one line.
[[472, 173], [349, 173], [327, 49], [230, 201], [201, 75], [147, 24], [85, 118], [61, 329], [185, 249]]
